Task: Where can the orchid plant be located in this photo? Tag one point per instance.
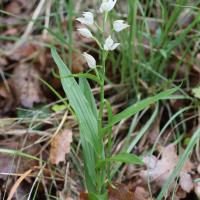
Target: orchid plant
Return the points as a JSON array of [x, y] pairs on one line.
[[85, 111]]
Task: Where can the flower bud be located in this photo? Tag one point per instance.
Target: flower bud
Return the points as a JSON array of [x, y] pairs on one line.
[[90, 60], [119, 25], [88, 18], [107, 6], [85, 32]]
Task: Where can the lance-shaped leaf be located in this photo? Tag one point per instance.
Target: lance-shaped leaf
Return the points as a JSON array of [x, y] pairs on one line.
[[86, 119], [122, 157], [134, 109]]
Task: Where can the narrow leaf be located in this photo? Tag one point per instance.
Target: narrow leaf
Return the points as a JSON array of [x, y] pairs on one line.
[[87, 121], [122, 157], [86, 90], [90, 76], [134, 109]]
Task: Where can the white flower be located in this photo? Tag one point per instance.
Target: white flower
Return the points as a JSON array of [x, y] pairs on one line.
[[88, 18], [109, 44], [90, 60], [119, 25], [85, 32], [107, 6]]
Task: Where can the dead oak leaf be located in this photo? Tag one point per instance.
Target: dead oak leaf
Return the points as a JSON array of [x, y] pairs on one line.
[[160, 170], [122, 193], [60, 146], [27, 88]]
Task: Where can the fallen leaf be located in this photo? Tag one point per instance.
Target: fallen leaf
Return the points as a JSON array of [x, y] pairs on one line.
[[160, 170], [13, 7], [60, 146], [141, 194], [27, 88], [122, 193], [84, 196]]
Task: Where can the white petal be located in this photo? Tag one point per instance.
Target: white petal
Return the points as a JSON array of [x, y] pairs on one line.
[[109, 41], [118, 21], [85, 32], [119, 26], [90, 60], [106, 47], [111, 4], [82, 20], [115, 46], [104, 7]]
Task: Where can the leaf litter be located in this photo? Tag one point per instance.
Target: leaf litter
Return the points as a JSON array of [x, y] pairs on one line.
[[26, 90], [160, 170]]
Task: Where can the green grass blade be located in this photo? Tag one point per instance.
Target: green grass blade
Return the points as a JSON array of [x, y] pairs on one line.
[[185, 155], [138, 137]]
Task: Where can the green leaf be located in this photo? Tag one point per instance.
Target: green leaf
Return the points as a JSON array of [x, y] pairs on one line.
[[134, 109], [57, 107], [196, 92], [90, 76], [93, 196], [164, 53], [89, 182], [87, 122], [86, 90], [122, 157], [186, 141]]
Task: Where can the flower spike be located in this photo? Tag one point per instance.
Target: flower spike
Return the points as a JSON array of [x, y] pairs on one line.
[[109, 44], [90, 60], [119, 25], [88, 18]]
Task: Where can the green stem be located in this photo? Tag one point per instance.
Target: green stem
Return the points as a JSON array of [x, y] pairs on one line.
[[111, 32], [97, 41], [101, 107], [95, 69], [97, 26]]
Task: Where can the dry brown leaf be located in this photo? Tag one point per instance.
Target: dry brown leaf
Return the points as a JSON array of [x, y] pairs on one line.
[[122, 193], [13, 7], [141, 194], [160, 170], [83, 196], [27, 88], [60, 146]]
